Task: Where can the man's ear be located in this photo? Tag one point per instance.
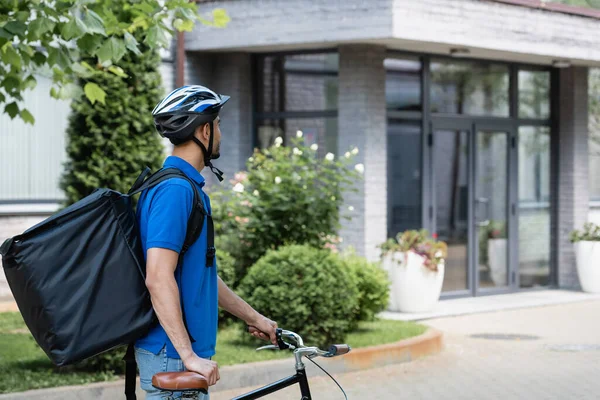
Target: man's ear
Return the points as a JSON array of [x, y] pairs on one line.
[[202, 132]]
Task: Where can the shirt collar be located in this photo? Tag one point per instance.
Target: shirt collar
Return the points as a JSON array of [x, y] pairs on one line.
[[186, 168]]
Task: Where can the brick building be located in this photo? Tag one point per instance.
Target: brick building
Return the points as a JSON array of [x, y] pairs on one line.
[[471, 118]]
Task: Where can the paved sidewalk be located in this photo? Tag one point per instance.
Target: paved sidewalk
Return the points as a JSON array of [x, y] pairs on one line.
[[554, 353], [473, 305]]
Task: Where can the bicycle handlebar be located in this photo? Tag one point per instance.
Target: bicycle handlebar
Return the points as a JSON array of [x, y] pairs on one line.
[[300, 349]]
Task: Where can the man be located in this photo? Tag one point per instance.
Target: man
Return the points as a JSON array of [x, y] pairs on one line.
[[189, 118]]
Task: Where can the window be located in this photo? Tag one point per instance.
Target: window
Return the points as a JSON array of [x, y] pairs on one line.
[[534, 206], [404, 176], [298, 92], [469, 88], [403, 84], [303, 82], [322, 131], [534, 164], [534, 94]]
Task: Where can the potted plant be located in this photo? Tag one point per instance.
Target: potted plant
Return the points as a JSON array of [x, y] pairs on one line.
[[493, 251], [587, 254], [415, 264]]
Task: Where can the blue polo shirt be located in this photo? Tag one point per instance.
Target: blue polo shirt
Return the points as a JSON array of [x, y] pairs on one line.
[[162, 214]]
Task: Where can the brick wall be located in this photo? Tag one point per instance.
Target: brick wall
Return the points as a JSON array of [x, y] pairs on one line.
[[362, 123], [229, 74], [573, 198]]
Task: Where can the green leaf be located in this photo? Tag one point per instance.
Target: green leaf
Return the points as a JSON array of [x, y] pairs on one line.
[[11, 83], [29, 83], [12, 110], [156, 37], [57, 56], [38, 27], [132, 44], [73, 29], [94, 93], [181, 25], [118, 71], [89, 43], [220, 17], [94, 23], [82, 71], [112, 49], [16, 27], [144, 7], [26, 49], [27, 117], [10, 56], [22, 16], [5, 34], [39, 58], [189, 13]]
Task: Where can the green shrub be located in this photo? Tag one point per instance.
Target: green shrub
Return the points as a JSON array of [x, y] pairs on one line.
[[289, 195], [305, 290], [108, 145], [110, 362], [373, 286], [226, 265]]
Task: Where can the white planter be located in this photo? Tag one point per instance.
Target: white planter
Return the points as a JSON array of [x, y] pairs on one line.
[[414, 287], [588, 265], [498, 260]]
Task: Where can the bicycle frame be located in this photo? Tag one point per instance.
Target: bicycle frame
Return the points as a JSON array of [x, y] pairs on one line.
[[299, 378]]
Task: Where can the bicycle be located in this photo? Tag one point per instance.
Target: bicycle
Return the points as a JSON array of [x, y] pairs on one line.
[[191, 383]]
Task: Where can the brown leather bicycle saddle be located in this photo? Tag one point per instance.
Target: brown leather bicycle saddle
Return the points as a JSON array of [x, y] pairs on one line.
[[179, 381]]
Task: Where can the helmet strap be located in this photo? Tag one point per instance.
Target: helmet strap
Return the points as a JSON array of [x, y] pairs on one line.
[[208, 153]]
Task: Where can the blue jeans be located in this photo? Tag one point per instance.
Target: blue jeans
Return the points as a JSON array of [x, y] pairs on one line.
[[150, 364]]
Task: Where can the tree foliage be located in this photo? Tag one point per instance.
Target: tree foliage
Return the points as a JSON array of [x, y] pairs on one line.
[[53, 37]]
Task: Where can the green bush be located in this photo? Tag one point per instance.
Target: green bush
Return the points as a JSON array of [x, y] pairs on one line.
[[109, 362], [226, 265], [289, 195], [108, 145], [373, 286], [305, 290]]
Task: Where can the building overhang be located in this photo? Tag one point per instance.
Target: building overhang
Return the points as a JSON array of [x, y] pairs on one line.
[[507, 30]]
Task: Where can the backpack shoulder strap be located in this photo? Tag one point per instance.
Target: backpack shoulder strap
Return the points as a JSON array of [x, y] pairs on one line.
[[197, 216]]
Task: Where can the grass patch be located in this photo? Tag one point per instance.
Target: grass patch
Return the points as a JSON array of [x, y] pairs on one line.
[[232, 349], [24, 366]]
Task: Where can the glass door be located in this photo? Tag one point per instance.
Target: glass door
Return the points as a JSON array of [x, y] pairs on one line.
[[491, 209], [450, 144], [472, 198]]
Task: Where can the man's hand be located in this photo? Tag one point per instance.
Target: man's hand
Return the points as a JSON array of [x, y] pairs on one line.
[[207, 368], [263, 328]]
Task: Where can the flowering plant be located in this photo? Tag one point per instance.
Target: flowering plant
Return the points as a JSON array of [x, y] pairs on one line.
[[433, 251], [289, 195], [590, 232]]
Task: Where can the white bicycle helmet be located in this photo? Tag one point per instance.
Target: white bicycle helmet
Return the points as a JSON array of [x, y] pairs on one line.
[[177, 116]]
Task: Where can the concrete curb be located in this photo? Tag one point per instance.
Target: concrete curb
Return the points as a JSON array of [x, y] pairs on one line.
[[261, 373]]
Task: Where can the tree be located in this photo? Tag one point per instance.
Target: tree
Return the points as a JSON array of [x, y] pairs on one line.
[[54, 36], [109, 144]]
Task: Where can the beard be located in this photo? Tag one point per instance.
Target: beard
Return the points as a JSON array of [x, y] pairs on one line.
[[216, 153]]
